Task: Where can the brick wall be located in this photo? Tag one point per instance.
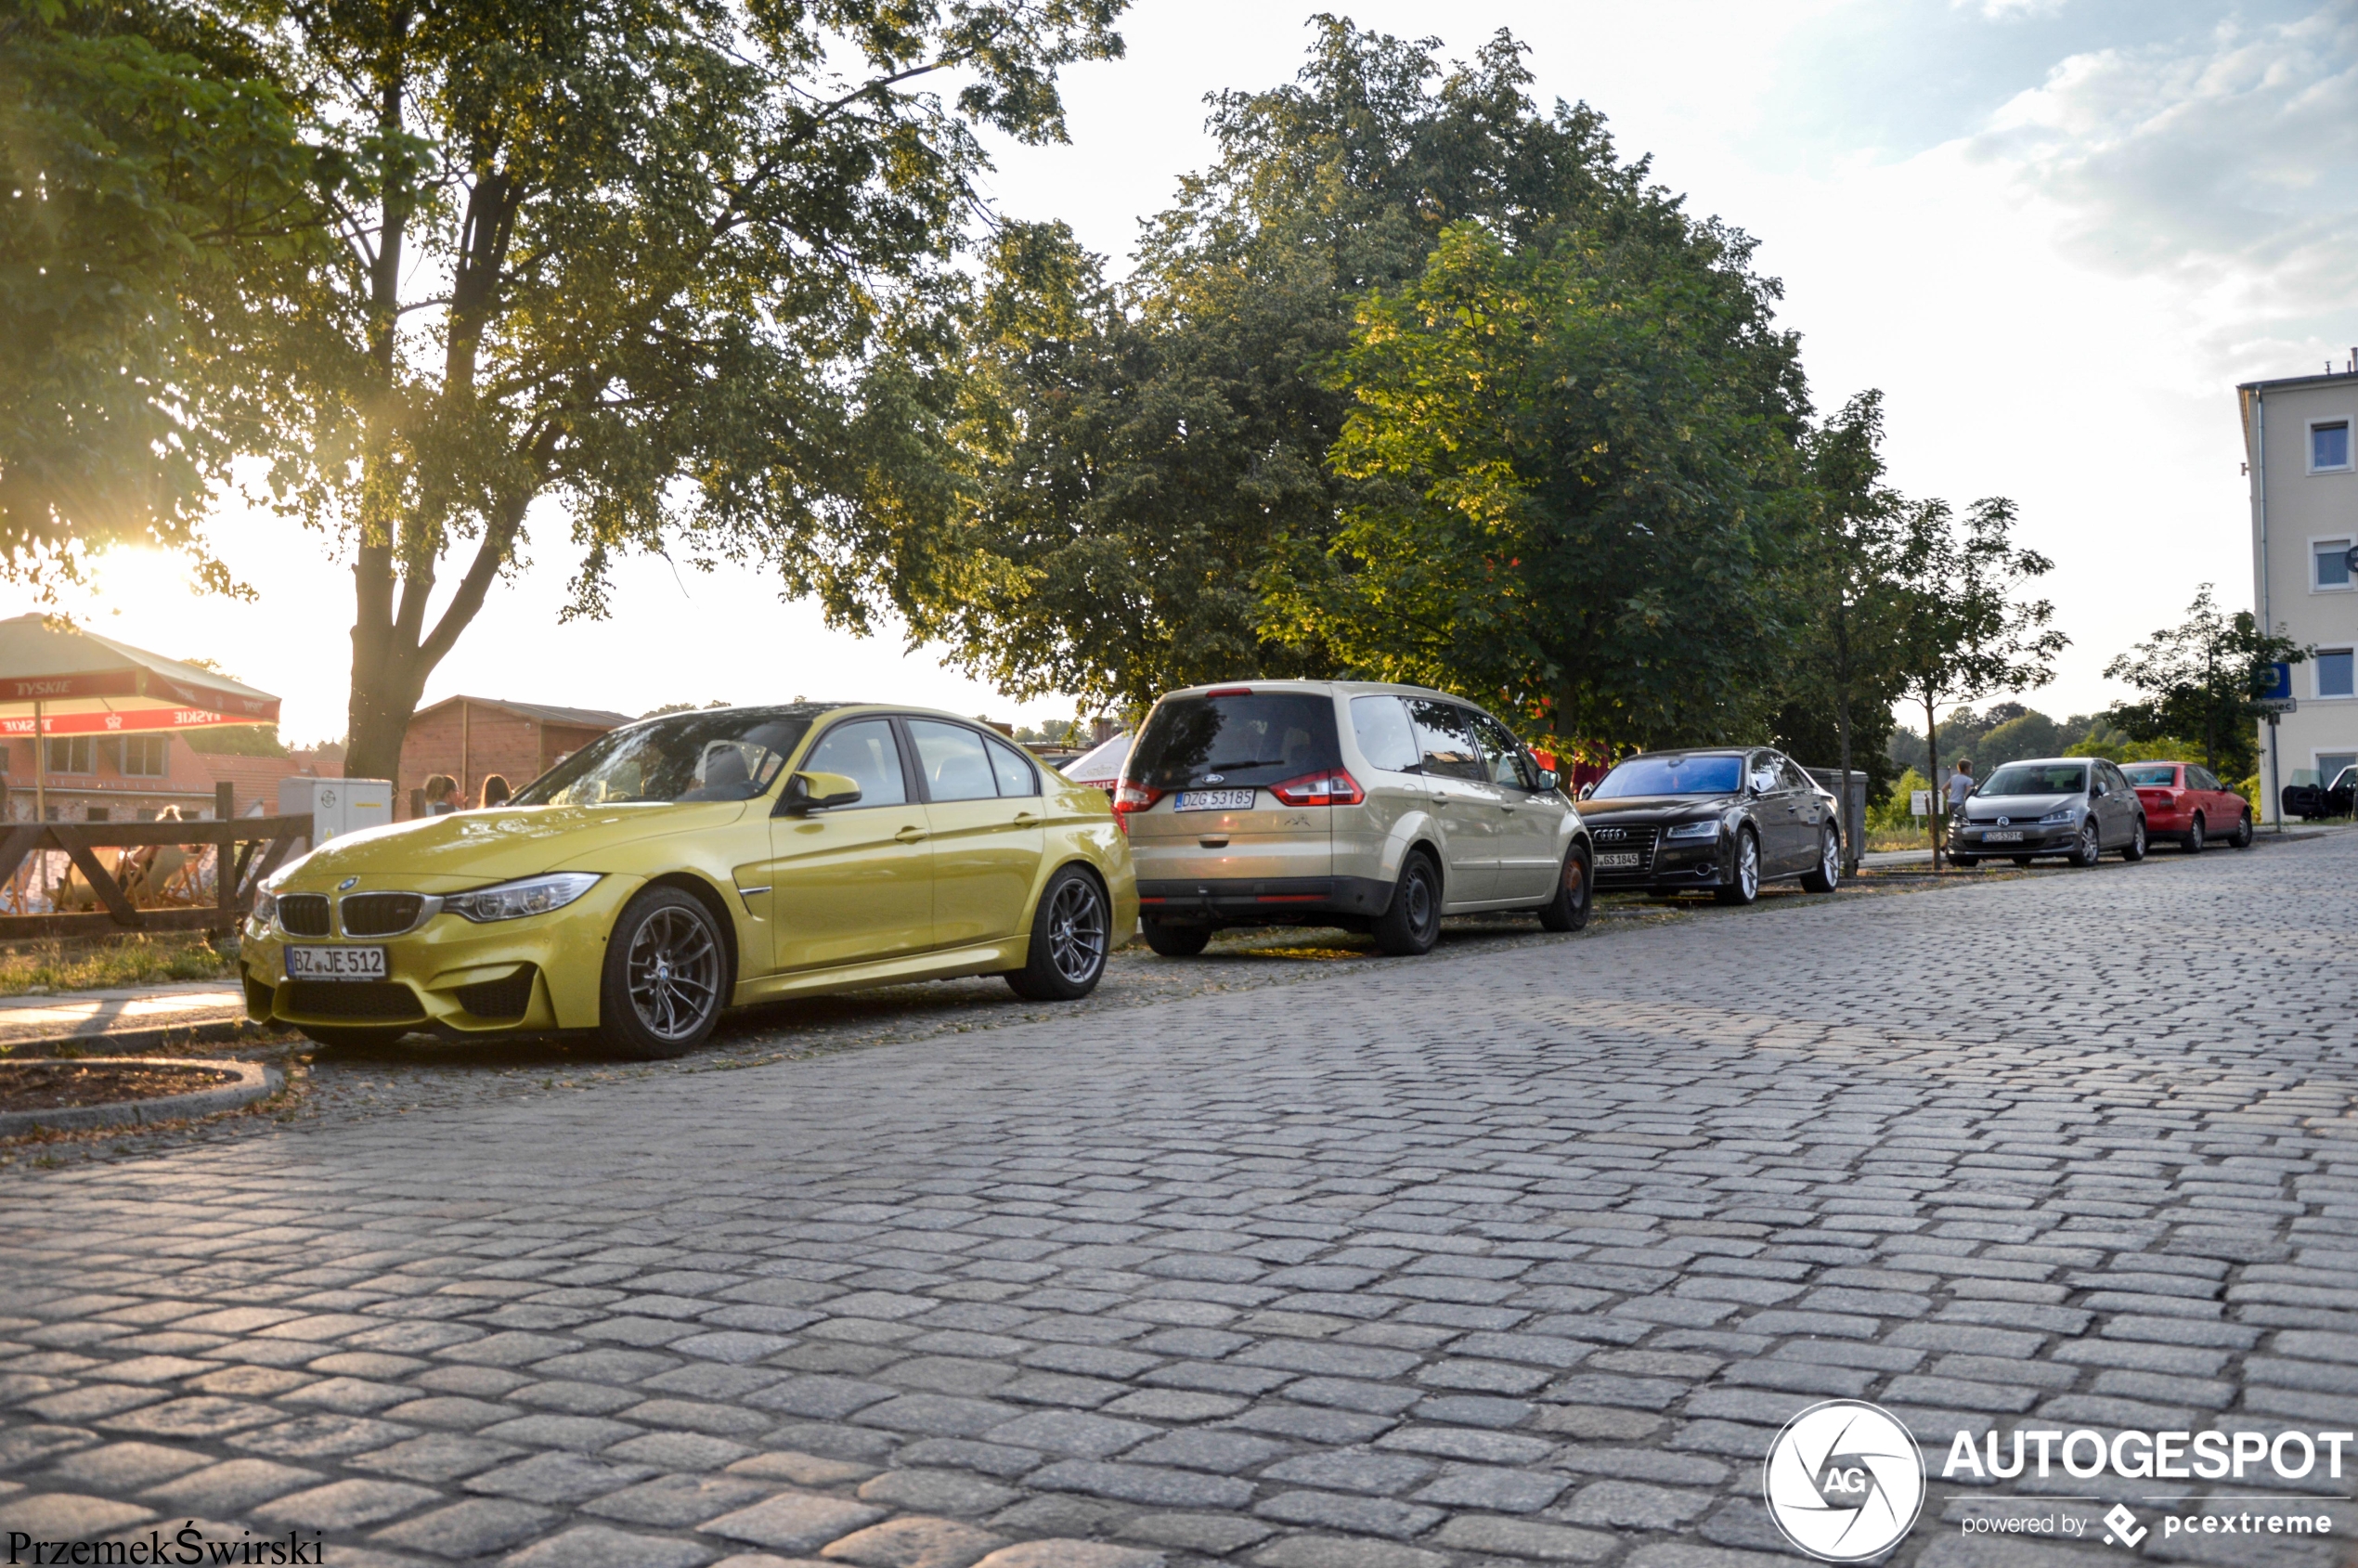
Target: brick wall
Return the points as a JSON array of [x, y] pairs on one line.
[[467, 742]]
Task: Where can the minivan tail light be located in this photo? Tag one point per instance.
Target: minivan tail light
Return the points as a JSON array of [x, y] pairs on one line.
[[1229, 692], [1128, 798], [1329, 786]]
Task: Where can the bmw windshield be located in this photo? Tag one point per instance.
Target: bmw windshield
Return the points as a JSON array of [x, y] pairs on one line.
[[728, 754], [1672, 775]]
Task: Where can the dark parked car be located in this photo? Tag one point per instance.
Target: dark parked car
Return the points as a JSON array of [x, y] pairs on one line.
[[2311, 801], [2078, 807], [1726, 821]]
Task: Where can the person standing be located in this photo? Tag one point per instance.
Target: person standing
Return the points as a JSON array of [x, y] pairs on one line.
[[442, 795], [1961, 785], [494, 790]]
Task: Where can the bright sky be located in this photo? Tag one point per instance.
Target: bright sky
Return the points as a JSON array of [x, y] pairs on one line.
[[2056, 232]]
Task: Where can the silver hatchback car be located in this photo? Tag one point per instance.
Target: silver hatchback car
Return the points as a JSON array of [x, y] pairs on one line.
[[1347, 803]]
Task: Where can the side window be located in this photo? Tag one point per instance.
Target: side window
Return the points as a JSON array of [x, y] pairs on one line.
[[862, 751], [2199, 778], [1380, 726], [1793, 776], [1503, 755], [1445, 745], [1016, 775], [951, 756], [1764, 779]]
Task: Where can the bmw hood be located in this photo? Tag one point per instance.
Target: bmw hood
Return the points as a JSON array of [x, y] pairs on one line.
[[475, 849], [2021, 808]]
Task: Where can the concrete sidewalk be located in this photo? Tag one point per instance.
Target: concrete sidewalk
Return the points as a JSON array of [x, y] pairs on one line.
[[130, 1017]]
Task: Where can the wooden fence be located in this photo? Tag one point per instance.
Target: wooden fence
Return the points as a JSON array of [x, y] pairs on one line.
[[245, 850]]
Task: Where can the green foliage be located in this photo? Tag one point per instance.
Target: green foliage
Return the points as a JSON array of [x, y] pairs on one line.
[[1570, 456], [154, 189], [1889, 813], [237, 740], [2117, 745], [1147, 496], [683, 267], [2202, 677]]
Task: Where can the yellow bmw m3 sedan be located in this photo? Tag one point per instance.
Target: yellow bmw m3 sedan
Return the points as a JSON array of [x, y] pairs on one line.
[[686, 864]]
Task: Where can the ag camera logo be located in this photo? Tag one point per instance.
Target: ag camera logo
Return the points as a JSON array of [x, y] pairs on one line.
[[1845, 1481]]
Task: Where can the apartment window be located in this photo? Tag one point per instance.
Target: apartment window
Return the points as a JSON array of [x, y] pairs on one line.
[[143, 756], [73, 754], [2329, 563], [2329, 447], [99, 814], [2334, 673]]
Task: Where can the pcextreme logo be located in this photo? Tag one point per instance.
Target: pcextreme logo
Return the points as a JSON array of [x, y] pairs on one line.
[[1844, 1480]]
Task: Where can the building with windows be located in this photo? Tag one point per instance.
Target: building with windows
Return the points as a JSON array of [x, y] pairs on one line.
[[2305, 544], [471, 738], [133, 777]]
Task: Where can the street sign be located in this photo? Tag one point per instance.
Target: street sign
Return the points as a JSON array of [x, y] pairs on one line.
[[2278, 686], [1920, 803], [2274, 705]]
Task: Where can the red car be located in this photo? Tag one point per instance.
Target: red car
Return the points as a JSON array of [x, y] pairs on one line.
[[2184, 803]]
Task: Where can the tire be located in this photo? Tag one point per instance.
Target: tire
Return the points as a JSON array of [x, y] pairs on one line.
[[2091, 846], [1826, 876], [2193, 844], [1964, 862], [1744, 871], [2241, 837], [1071, 934], [1176, 941], [340, 1039], [1411, 923], [667, 977], [2135, 850], [1575, 894]]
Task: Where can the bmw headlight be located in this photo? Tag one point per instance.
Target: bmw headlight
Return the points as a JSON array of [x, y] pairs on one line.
[[512, 901], [1694, 829], [266, 906], [2065, 815]]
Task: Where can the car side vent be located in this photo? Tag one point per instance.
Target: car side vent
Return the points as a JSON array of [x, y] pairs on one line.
[[499, 999], [304, 914]]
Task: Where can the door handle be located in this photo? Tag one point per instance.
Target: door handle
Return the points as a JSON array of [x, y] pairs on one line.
[[1026, 817], [909, 836]]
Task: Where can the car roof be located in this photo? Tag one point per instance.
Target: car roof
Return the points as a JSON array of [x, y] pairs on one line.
[[812, 711], [1330, 688], [1696, 751]]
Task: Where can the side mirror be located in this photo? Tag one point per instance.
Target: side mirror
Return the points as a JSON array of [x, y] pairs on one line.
[[1586, 790], [810, 792], [1550, 781]]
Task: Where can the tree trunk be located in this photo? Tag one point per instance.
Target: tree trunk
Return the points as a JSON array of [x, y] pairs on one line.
[[1842, 810]]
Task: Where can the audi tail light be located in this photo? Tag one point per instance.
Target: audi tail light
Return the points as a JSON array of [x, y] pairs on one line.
[[1128, 798], [1329, 786]]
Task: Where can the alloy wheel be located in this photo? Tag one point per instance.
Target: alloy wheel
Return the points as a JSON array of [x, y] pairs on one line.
[[674, 972], [1830, 859], [1748, 865], [2195, 837], [1077, 931], [2089, 845]]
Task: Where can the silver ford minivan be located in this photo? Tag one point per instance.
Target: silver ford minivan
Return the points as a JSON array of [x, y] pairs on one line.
[[1346, 803]]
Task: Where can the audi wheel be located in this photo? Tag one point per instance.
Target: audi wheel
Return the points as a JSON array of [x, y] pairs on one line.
[[1744, 871]]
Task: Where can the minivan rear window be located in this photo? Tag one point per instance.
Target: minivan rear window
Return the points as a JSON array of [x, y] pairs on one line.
[[1247, 738]]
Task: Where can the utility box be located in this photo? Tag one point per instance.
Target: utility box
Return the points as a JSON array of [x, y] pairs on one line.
[[336, 806]]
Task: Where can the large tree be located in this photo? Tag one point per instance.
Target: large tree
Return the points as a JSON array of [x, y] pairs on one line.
[[1841, 600], [1969, 633], [1142, 456], [2201, 679], [679, 268], [1571, 457], [156, 189]]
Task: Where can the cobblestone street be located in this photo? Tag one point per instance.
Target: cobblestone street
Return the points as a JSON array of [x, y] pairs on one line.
[[1518, 1254]]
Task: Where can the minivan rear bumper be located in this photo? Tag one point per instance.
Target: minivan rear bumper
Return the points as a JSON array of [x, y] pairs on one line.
[[1261, 901]]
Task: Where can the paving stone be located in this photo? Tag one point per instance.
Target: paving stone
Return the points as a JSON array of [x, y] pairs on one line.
[[1334, 1510], [1331, 1551], [344, 1506], [679, 1501], [914, 1542], [475, 1527], [803, 1469], [1069, 1432], [66, 1516], [557, 1478], [1350, 1471], [118, 1467], [1213, 1535], [231, 1487], [1524, 1537], [601, 1546], [795, 1521], [1492, 1486], [937, 1491], [1070, 1554], [1153, 1484], [1632, 1505], [961, 1453], [437, 1457]]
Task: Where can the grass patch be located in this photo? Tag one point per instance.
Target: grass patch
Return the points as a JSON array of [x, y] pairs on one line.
[[135, 958]]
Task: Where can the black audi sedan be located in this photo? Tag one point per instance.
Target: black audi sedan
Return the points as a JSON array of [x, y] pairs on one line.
[[1670, 822]]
